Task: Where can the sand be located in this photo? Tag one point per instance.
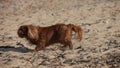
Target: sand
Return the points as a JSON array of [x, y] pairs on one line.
[[99, 19]]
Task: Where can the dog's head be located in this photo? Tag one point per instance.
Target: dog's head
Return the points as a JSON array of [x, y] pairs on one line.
[[22, 31], [28, 31]]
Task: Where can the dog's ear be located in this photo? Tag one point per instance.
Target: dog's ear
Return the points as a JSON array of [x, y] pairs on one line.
[[33, 32], [22, 31]]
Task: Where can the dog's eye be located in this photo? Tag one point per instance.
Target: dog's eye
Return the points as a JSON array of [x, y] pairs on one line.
[[21, 30], [24, 30]]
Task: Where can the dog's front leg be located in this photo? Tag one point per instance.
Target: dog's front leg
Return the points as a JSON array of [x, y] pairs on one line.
[[40, 46]]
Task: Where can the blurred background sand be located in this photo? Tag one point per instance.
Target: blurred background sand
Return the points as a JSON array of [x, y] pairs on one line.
[[99, 19]]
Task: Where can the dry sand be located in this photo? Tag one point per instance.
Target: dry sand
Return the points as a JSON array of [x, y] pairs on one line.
[[99, 19]]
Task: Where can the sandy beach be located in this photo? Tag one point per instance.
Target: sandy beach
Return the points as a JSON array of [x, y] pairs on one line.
[[99, 19]]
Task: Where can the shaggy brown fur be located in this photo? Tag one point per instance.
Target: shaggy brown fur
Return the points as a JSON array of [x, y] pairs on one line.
[[45, 36]]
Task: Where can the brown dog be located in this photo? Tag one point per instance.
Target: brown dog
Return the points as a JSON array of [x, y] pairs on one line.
[[45, 36]]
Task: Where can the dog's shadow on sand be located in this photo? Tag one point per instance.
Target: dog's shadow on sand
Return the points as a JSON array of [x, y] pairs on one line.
[[15, 49]]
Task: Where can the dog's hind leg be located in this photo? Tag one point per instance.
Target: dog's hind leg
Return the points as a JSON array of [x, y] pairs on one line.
[[68, 44], [65, 46]]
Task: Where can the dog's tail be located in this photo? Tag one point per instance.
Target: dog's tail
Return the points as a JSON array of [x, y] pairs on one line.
[[77, 30]]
